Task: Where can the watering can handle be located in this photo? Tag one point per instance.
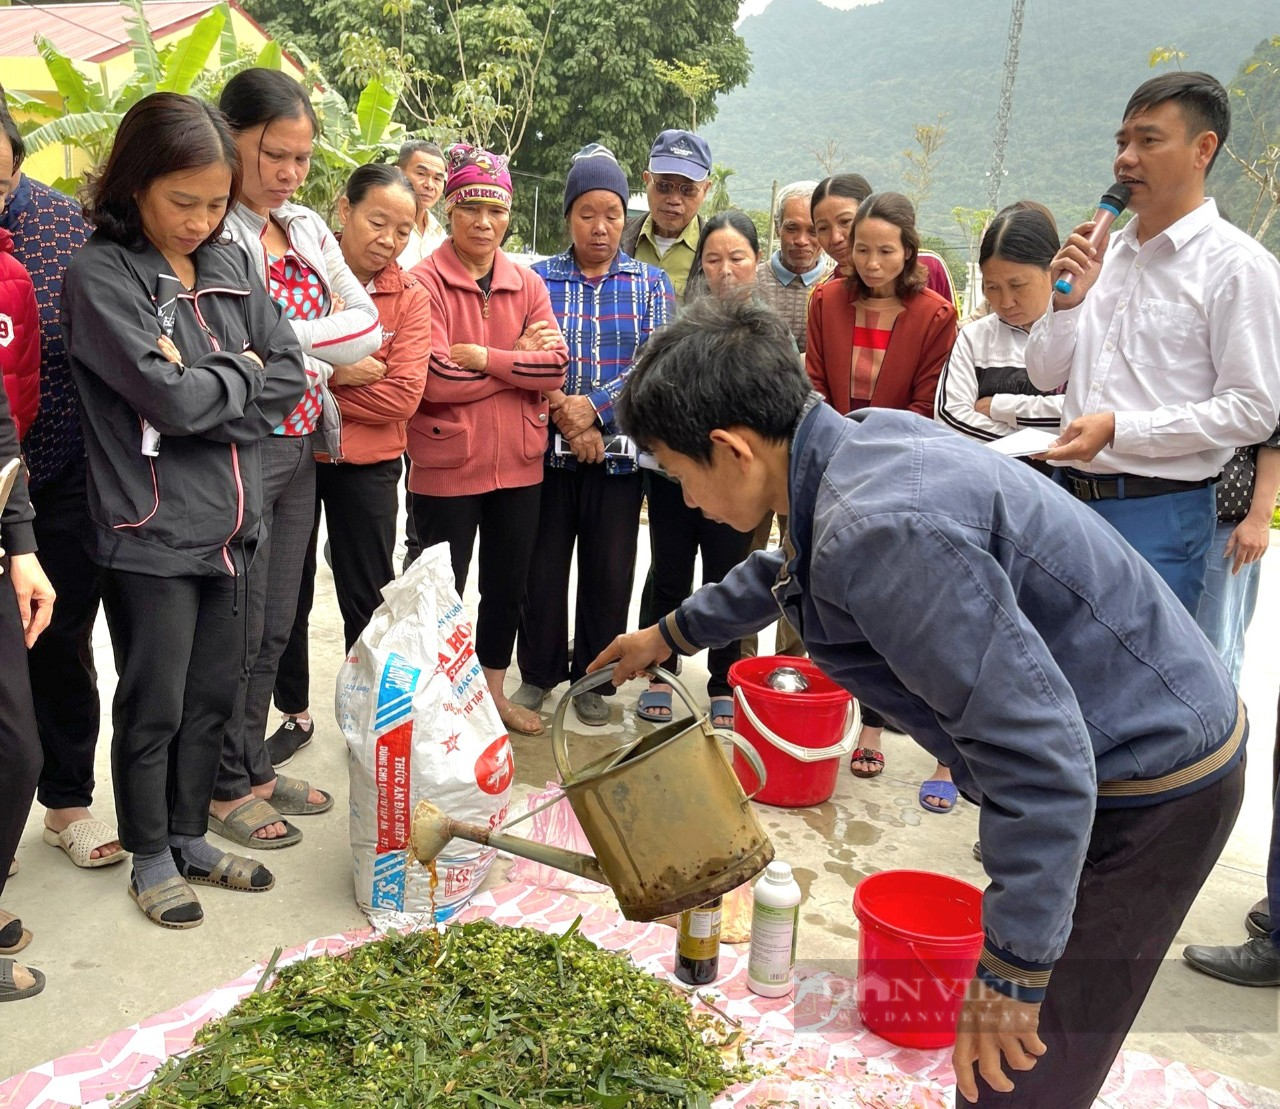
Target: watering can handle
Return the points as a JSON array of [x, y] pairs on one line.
[[748, 752], [560, 742], [837, 750]]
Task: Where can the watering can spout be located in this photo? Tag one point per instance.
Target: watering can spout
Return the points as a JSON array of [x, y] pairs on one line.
[[433, 829]]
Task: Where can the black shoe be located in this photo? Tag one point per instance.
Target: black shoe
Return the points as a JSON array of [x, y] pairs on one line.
[[287, 740], [1257, 921], [1256, 962], [977, 850]]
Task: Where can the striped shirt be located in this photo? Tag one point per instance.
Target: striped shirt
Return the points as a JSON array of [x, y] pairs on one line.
[[605, 321], [872, 330]]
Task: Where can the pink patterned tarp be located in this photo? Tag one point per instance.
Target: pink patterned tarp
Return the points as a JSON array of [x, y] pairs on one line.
[[842, 1064]]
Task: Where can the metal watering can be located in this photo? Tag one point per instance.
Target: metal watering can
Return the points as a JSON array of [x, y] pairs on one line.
[[670, 825]]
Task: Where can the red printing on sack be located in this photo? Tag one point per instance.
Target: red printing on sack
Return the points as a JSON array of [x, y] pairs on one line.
[[392, 770]]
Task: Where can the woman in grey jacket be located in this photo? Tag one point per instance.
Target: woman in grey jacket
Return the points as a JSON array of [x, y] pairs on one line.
[[297, 258], [182, 366]]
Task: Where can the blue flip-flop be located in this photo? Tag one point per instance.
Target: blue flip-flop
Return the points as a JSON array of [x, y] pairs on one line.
[[938, 787], [652, 699]]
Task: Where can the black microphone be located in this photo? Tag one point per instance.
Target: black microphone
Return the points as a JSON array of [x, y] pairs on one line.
[[1109, 207]]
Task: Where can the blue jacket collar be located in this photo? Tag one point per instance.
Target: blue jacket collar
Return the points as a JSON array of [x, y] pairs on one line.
[[818, 431]]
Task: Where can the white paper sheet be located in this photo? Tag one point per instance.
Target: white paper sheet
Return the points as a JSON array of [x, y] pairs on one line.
[[1028, 440]]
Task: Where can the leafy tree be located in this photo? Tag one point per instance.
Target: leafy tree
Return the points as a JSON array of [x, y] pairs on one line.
[[594, 83], [922, 163], [972, 223], [695, 81]]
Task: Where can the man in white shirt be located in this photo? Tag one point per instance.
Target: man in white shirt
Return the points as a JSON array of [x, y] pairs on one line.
[[1169, 341], [423, 164]]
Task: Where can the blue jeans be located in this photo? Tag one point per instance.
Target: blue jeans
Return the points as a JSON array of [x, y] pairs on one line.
[[1228, 601], [1172, 532]]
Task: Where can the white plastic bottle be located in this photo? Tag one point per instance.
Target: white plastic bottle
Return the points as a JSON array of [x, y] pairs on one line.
[[775, 917]]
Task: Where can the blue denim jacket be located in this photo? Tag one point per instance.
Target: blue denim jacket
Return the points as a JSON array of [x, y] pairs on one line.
[[1005, 627]]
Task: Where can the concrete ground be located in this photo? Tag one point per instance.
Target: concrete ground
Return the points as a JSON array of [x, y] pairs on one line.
[[108, 967]]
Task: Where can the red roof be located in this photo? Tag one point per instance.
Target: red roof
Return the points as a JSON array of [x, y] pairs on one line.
[[92, 32]]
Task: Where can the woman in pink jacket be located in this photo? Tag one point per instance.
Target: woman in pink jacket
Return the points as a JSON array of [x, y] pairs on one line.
[[477, 439]]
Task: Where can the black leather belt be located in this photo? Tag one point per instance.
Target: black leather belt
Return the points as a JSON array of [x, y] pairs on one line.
[[1108, 487]]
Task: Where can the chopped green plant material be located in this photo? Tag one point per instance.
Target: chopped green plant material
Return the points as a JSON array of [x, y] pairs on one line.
[[484, 1017]]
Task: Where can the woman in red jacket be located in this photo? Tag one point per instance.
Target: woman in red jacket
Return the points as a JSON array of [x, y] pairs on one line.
[[19, 316], [477, 440], [879, 339], [375, 396]]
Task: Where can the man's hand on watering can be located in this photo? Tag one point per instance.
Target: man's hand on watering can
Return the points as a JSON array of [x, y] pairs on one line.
[[992, 1025], [632, 654]]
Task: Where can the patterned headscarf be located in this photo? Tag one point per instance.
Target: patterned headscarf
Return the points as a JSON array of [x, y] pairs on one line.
[[476, 176]]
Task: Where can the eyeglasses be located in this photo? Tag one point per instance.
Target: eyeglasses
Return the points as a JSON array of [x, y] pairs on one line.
[[686, 189]]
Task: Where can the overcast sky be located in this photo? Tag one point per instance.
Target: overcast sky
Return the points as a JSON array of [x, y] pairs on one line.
[[755, 7]]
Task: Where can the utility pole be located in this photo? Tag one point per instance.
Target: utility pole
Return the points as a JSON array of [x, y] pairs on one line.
[[1004, 113], [773, 203]]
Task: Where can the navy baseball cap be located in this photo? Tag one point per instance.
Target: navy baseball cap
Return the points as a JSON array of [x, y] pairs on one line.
[[681, 152]]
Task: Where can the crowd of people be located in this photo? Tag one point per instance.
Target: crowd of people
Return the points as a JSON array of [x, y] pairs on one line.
[[201, 369]]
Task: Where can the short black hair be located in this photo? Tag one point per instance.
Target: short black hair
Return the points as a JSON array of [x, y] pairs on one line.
[[851, 186], [419, 146], [1025, 235], [376, 175], [161, 134], [12, 133], [736, 220], [721, 364], [258, 96], [1204, 103]]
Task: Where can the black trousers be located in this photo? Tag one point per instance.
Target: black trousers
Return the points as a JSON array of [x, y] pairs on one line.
[[179, 646], [412, 548], [1143, 869], [360, 504], [507, 520], [64, 683], [677, 533], [600, 514], [19, 741], [288, 511]]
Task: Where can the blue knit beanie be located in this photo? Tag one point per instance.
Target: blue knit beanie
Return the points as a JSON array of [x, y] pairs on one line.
[[595, 167]]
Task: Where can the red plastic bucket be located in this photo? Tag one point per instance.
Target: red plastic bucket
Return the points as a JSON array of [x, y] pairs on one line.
[[919, 938], [802, 737]]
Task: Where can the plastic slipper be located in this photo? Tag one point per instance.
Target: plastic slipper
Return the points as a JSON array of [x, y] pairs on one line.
[[9, 990], [241, 822], [592, 709], [81, 838], [861, 754], [233, 872], [530, 696], [939, 787], [652, 699], [289, 798], [13, 937], [171, 904], [721, 707], [514, 719]]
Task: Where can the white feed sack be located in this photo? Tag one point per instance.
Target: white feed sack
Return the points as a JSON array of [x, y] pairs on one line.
[[419, 723]]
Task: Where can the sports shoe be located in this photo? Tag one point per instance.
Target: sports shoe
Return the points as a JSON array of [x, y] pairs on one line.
[[287, 740]]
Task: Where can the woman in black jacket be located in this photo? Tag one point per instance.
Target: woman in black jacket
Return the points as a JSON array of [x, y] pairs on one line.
[[183, 364]]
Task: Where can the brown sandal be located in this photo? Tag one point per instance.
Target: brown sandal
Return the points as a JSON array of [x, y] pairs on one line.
[[241, 822], [13, 937], [171, 904], [291, 798], [232, 872], [862, 754]]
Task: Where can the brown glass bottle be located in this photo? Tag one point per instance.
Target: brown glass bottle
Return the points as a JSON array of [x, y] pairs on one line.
[[698, 944]]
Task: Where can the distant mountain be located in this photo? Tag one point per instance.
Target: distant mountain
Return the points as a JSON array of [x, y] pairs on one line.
[[865, 77]]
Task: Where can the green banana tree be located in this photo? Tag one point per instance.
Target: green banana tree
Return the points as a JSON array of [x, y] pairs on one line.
[[91, 109]]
